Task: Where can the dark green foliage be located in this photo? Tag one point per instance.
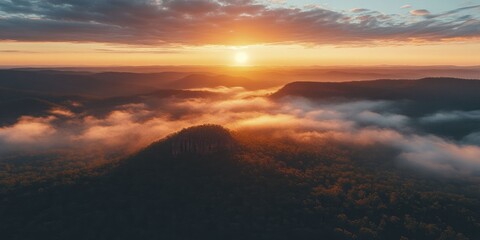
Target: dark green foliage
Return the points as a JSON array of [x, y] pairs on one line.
[[248, 187]]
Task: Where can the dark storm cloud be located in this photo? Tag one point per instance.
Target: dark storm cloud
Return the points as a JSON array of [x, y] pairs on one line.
[[198, 22]]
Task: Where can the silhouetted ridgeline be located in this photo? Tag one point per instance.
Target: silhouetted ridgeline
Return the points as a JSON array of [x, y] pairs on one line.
[[428, 89], [113, 84]]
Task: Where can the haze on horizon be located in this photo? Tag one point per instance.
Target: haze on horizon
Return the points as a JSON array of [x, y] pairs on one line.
[[214, 32]]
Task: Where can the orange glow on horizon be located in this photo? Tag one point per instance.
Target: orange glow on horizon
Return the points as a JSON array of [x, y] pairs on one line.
[[97, 54]]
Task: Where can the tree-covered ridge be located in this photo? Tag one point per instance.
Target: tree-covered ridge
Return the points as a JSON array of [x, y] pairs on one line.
[[200, 140], [263, 188]]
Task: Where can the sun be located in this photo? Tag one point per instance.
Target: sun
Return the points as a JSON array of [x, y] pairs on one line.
[[241, 58]]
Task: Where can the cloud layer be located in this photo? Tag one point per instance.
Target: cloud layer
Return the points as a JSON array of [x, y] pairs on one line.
[[361, 123], [222, 22]]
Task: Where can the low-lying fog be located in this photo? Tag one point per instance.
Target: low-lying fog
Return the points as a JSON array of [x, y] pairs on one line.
[[122, 129]]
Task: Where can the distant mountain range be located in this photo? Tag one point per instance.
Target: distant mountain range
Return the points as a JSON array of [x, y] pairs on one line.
[[109, 82], [433, 93], [384, 89], [112, 84]]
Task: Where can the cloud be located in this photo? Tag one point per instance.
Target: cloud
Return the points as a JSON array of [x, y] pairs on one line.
[[209, 22], [278, 1], [436, 154], [61, 112], [15, 51], [420, 12], [473, 8], [359, 10], [122, 130], [368, 125], [382, 120], [472, 138], [29, 134], [27, 130], [426, 153], [406, 6], [451, 116]]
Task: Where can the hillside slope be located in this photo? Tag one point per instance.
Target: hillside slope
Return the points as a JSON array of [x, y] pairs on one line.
[[260, 189]]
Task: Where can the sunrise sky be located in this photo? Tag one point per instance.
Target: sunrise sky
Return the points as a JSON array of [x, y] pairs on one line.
[[239, 32]]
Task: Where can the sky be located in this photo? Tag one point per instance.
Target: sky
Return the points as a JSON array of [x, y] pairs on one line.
[[217, 32], [385, 6]]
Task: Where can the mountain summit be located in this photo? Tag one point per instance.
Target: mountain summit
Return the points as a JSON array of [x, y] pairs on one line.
[[200, 140], [199, 150]]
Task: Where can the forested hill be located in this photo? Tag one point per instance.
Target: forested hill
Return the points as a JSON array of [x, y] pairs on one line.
[[244, 186], [446, 92]]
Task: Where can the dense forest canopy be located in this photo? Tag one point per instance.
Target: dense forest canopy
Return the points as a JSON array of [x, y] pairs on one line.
[[263, 188]]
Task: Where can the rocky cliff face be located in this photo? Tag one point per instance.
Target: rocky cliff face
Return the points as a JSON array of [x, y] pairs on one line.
[[200, 140]]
